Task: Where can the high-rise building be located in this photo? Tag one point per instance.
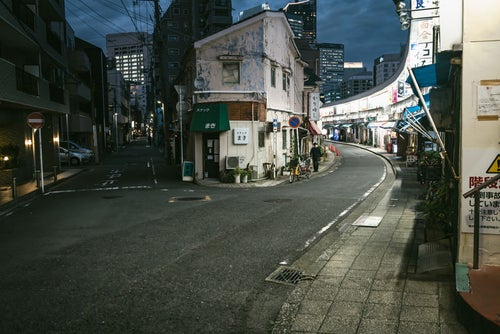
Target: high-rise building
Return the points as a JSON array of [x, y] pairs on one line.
[[184, 22], [130, 54], [302, 13], [352, 67], [331, 70], [385, 66], [357, 83], [244, 14]]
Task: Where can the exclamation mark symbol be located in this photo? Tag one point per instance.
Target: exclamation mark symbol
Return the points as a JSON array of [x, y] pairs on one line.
[[498, 165]]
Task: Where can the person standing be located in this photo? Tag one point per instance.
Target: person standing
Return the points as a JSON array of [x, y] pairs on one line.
[[315, 155]]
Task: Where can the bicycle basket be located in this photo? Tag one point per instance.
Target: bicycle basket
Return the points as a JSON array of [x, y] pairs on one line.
[[294, 163]]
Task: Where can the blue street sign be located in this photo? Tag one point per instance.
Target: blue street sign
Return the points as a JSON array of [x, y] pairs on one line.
[[294, 122]]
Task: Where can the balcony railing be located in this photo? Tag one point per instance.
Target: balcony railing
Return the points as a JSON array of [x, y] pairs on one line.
[[56, 93], [26, 82], [24, 14], [477, 200]]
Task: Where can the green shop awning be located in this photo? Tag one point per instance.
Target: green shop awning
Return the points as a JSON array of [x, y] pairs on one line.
[[210, 118]]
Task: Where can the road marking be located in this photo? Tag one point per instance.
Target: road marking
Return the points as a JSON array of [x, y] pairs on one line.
[[97, 189], [344, 212]]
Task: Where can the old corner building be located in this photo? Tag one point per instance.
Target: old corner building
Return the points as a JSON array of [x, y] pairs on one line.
[[242, 86]]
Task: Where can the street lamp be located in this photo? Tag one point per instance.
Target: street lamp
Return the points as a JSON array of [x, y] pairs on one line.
[[115, 119], [405, 16], [181, 90]]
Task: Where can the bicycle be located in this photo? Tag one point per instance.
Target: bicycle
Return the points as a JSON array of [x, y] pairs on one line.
[[300, 168]]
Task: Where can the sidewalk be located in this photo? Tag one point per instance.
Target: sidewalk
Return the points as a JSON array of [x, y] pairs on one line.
[[325, 165], [367, 280], [24, 191]]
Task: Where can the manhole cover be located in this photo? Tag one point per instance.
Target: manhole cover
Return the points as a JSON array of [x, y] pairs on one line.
[[189, 198], [111, 197], [285, 275]]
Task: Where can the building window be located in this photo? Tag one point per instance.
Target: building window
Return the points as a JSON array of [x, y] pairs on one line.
[[262, 138], [284, 144], [284, 81], [231, 73], [273, 76], [173, 52]]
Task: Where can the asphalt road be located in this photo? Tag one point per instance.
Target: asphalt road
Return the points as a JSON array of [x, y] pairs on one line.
[[126, 247]]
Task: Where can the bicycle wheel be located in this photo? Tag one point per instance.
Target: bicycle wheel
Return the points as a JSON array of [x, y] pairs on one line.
[[307, 173]]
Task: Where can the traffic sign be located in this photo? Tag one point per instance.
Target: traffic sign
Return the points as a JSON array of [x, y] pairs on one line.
[[36, 120], [294, 122], [495, 166]]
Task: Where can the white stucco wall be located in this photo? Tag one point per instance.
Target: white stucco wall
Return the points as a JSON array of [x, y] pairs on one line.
[[480, 136], [259, 44]]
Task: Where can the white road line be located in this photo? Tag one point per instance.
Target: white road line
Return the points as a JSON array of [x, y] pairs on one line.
[[344, 212]]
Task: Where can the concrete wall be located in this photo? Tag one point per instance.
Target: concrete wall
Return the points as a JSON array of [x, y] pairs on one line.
[[480, 125]]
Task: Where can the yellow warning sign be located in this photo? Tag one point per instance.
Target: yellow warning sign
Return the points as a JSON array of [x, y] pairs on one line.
[[495, 166]]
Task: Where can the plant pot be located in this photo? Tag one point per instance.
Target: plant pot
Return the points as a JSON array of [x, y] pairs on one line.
[[244, 178], [237, 178]]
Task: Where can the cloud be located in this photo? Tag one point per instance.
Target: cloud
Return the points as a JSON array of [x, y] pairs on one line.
[[367, 29]]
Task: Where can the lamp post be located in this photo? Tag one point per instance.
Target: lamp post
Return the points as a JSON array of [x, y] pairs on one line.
[[115, 119], [181, 90]]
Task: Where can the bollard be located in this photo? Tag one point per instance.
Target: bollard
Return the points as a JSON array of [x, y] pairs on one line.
[[14, 188], [37, 178], [54, 168]]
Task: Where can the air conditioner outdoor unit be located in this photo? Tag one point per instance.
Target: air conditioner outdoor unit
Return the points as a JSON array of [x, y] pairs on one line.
[[235, 161]]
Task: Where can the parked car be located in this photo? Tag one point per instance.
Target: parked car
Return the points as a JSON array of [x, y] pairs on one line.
[[71, 145], [73, 158]]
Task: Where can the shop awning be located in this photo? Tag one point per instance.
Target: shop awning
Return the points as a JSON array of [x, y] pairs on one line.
[[388, 125], [383, 125], [314, 128], [210, 118]]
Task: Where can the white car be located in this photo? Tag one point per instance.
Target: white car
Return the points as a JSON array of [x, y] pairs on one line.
[[73, 158], [72, 146]]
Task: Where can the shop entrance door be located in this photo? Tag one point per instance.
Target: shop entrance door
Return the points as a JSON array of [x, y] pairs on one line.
[[211, 155]]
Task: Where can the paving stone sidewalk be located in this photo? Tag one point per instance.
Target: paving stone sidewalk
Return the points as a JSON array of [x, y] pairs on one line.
[[368, 281]]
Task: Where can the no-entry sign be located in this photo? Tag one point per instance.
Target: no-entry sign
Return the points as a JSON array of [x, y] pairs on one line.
[[36, 120]]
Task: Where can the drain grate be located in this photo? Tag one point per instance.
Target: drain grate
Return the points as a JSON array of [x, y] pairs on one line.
[[285, 275]]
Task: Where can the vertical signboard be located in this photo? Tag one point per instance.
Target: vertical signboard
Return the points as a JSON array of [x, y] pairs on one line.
[[314, 105]]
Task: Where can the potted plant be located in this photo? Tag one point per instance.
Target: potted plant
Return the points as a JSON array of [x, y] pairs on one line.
[[237, 174], [244, 176], [436, 210], [429, 166]]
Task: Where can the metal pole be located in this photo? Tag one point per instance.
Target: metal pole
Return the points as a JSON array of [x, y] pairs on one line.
[[181, 105], [33, 150], [431, 121], [14, 188], [41, 159], [477, 199], [116, 129]]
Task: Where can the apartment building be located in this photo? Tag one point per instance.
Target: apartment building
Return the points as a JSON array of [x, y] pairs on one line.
[[33, 63]]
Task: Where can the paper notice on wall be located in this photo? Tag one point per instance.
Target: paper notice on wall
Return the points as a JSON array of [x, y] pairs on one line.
[[488, 99]]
